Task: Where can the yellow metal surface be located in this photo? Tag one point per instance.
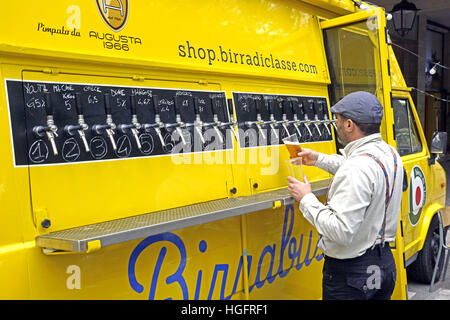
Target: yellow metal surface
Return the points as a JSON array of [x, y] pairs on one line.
[[263, 47]]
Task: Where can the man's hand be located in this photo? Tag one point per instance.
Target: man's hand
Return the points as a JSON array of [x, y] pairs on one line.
[[298, 189], [309, 157]]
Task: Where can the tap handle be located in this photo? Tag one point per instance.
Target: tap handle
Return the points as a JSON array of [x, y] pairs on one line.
[[107, 103], [78, 104], [208, 107], [196, 106], [230, 108], [177, 106], [133, 104], [301, 110], [284, 106], [266, 105], [155, 104], [214, 107], [48, 104], [272, 104], [258, 106], [291, 106]]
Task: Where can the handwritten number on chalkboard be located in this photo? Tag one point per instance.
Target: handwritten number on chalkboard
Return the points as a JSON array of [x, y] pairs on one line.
[[98, 147], [144, 101], [146, 143], [121, 102], [35, 103], [169, 143], [123, 147], [67, 104], [70, 150], [38, 152], [92, 99]]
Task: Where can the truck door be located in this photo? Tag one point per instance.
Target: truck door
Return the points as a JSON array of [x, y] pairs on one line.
[[410, 145], [355, 60], [357, 57]]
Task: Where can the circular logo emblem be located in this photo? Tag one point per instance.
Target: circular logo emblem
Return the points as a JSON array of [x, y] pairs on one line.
[[417, 194], [114, 13]]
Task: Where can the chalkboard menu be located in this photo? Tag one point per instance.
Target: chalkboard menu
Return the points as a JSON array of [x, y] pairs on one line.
[[265, 119], [29, 103]]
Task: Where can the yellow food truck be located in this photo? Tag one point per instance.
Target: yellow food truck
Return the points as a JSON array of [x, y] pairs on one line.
[[142, 153]]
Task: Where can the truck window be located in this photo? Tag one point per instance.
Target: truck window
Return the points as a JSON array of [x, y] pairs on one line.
[[406, 133], [353, 59]]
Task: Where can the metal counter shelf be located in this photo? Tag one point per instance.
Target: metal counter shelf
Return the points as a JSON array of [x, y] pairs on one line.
[[92, 237]]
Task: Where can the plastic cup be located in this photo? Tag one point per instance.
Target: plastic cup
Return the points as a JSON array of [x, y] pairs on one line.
[[295, 168], [293, 145]]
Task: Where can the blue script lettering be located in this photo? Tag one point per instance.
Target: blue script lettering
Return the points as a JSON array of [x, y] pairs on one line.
[[176, 277], [294, 251]]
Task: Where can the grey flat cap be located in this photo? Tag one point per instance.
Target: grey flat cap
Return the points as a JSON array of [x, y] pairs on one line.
[[360, 106]]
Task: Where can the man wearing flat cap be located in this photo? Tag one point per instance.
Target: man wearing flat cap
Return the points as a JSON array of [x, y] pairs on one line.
[[362, 209]]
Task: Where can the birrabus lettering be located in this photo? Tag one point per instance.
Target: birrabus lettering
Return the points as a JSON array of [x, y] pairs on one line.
[[290, 256]]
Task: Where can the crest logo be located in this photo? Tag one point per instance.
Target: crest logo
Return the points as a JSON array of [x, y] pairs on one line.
[[417, 194], [114, 13]]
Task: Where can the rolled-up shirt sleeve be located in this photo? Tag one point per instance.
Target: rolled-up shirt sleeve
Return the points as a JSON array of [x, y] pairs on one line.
[[349, 196]]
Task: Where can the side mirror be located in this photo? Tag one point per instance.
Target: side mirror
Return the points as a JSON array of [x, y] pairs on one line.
[[439, 143]]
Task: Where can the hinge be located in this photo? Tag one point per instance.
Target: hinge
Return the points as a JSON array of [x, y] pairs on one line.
[[401, 228], [52, 71], [92, 246], [138, 78], [432, 159], [230, 106]]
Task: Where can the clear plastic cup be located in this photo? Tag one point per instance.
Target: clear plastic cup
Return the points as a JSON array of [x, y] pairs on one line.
[[293, 145], [295, 168]]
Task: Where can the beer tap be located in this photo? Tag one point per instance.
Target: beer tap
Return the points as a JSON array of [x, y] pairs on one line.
[[179, 125], [81, 127], [198, 124], [109, 126], [230, 124], [272, 122], [316, 120], [306, 121], [50, 130], [216, 124], [285, 121], [134, 126], [325, 120], [157, 125], [296, 122], [334, 120], [259, 122]]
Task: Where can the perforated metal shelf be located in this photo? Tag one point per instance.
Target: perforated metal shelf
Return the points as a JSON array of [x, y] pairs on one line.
[[132, 228]]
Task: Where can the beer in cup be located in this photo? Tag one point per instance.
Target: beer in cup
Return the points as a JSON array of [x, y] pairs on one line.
[[293, 146]]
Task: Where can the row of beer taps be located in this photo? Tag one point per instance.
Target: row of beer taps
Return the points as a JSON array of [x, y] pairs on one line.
[[135, 127], [270, 106]]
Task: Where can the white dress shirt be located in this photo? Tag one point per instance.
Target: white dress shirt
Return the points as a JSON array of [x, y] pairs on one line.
[[351, 221]]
